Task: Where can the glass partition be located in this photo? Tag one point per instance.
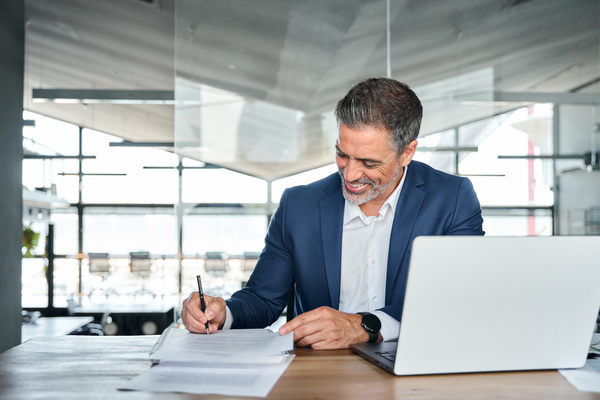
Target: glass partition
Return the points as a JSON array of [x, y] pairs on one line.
[[257, 83], [506, 104]]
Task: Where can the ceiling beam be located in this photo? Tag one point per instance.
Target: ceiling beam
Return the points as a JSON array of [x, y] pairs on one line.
[[90, 96]]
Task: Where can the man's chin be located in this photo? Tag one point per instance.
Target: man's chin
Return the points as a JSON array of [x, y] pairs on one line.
[[355, 198]]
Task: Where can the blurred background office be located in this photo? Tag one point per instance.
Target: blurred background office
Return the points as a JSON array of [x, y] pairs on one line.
[[147, 141]]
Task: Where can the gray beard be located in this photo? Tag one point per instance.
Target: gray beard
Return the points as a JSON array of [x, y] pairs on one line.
[[374, 192]]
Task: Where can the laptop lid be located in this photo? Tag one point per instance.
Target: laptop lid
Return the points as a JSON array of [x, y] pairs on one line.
[[478, 303]]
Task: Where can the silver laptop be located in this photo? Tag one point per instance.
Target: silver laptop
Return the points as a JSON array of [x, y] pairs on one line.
[[478, 303]]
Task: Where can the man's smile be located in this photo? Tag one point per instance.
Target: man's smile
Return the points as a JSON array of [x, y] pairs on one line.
[[356, 187]]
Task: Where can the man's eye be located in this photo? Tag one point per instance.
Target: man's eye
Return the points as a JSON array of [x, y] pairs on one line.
[[369, 165]]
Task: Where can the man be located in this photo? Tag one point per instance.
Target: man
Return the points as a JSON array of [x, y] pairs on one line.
[[344, 242]]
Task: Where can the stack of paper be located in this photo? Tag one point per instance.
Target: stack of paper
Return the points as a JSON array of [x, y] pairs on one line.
[[237, 362]]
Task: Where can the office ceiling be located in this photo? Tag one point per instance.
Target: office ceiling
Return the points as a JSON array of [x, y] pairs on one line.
[[264, 75]]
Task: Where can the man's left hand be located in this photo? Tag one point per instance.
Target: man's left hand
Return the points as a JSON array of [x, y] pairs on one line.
[[325, 328]]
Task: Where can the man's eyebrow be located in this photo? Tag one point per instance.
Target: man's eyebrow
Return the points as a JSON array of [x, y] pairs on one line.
[[338, 150], [367, 160]]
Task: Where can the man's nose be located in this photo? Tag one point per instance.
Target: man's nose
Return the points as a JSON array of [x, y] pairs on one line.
[[352, 171]]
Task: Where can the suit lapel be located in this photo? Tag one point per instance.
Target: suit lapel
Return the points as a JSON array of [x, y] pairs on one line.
[[407, 210], [332, 218]]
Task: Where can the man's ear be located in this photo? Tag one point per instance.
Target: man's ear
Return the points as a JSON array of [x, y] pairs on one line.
[[408, 153]]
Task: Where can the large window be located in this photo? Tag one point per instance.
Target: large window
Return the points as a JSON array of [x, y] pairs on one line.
[[128, 201], [498, 155]]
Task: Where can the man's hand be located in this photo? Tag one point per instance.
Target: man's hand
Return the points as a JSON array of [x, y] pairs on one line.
[[326, 328], [194, 319]]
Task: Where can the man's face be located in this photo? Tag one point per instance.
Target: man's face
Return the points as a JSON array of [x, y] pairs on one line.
[[368, 166]]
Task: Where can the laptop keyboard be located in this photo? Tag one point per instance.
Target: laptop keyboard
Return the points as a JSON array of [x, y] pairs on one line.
[[388, 355]]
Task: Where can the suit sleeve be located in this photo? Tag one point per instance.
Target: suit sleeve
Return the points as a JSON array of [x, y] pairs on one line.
[[467, 212], [264, 297]]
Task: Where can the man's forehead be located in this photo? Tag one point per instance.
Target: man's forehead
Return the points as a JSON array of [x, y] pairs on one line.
[[366, 142]]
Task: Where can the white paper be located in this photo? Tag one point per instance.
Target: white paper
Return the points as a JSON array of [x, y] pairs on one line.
[[228, 345], [586, 378], [230, 379], [237, 362]]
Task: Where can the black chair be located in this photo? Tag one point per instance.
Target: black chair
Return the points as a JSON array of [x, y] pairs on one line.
[[90, 329]]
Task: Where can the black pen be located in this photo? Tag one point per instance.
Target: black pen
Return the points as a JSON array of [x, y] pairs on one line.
[[202, 303]]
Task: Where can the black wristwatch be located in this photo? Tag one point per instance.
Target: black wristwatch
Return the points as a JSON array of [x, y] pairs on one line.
[[371, 324]]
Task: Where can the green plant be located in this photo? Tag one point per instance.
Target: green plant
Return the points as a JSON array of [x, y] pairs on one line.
[[30, 240]]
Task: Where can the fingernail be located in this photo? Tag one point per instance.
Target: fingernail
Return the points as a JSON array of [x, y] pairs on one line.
[[282, 331], [209, 314]]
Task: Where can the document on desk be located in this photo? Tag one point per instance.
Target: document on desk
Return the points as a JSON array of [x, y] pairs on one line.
[[586, 378], [229, 345], [237, 362]]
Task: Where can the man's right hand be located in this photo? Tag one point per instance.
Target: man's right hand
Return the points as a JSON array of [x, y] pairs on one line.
[[194, 319]]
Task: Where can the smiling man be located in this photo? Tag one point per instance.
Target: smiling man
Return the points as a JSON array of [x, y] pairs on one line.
[[344, 242]]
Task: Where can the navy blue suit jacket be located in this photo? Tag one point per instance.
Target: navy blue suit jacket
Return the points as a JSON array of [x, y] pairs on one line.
[[303, 245]]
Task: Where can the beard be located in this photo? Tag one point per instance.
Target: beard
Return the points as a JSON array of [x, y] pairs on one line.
[[371, 192]]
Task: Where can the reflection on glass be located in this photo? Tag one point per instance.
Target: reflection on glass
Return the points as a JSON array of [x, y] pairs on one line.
[[230, 234], [222, 186], [120, 234], [65, 231], [512, 181], [518, 225], [34, 288]]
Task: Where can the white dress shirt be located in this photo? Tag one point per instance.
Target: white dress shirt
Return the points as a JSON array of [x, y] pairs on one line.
[[365, 246]]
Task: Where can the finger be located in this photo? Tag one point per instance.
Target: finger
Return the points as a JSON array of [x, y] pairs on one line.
[[307, 329], [192, 316], [300, 320], [215, 312], [192, 307], [213, 307], [309, 337]]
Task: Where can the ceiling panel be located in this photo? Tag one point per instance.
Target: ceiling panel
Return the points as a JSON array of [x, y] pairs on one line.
[[293, 59]]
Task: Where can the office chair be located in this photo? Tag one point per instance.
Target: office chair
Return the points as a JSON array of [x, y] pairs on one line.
[[249, 261], [215, 262], [93, 328], [100, 265], [140, 265]]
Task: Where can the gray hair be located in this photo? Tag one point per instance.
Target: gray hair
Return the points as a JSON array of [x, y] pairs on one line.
[[383, 103]]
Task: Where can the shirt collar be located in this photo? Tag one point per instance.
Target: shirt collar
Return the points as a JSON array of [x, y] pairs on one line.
[[352, 211]]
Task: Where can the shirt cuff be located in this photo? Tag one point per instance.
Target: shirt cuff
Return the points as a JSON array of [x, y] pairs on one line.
[[390, 327], [228, 319]]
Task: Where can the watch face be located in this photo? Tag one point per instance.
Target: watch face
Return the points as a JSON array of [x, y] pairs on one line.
[[371, 323]]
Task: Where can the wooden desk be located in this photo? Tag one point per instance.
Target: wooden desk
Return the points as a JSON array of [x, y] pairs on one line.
[[52, 326], [72, 367]]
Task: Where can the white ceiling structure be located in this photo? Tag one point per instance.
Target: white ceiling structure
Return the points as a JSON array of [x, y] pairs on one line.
[[253, 82]]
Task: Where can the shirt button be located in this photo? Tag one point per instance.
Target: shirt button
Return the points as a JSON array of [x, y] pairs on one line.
[[375, 298], [372, 261]]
